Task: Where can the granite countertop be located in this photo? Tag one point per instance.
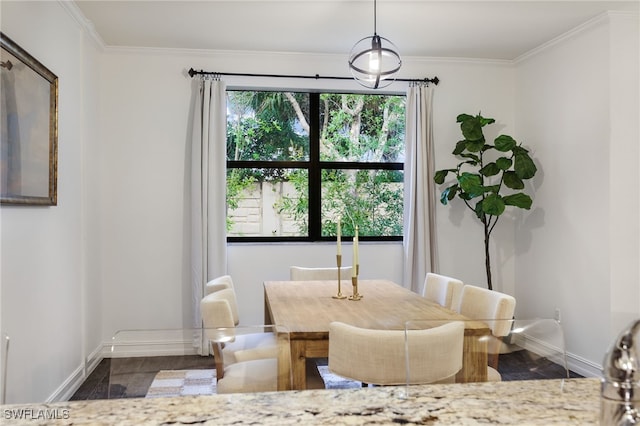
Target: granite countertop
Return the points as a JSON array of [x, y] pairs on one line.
[[536, 402]]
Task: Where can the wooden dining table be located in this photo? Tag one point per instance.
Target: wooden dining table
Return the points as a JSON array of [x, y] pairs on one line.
[[306, 308]]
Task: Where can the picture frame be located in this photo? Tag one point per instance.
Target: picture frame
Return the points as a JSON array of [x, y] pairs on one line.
[[29, 128]]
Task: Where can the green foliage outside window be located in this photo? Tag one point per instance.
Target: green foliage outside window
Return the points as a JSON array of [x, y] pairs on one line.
[[353, 129]]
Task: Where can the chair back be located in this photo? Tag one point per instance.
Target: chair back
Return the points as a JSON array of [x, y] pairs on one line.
[[488, 305], [300, 273], [443, 290], [219, 283], [219, 309], [380, 356], [534, 349]]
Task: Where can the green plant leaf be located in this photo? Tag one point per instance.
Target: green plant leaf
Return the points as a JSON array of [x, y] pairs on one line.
[[490, 169], [471, 129], [504, 163], [463, 117], [523, 165], [520, 199], [474, 146], [519, 150], [453, 189], [511, 180], [493, 204], [492, 188], [485, 121], [471, 184], [505, 143], [473, 157], [448, 194], [460, 147], [444, 197], [478, 210], [440, 176]]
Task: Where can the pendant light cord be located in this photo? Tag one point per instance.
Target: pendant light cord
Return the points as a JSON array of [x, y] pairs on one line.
[[375, 15]]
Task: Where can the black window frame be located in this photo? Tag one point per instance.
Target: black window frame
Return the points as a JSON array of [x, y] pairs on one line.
[[314, 167]]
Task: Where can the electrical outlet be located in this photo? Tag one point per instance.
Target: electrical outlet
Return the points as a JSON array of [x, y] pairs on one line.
[[557, 315]]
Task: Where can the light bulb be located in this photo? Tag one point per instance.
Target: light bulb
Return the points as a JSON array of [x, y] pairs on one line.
[[374, 62]]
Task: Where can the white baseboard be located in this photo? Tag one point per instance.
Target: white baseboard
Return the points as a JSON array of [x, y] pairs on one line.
[[582, 366], [132, 348], [94, 359], [575, 363], [69, 386], [79, 375]]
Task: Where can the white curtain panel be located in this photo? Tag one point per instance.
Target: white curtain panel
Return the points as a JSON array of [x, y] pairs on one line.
[[208, 188], [419, 189]]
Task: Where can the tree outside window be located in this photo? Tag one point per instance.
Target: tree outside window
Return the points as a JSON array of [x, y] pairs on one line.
[[296, 162]]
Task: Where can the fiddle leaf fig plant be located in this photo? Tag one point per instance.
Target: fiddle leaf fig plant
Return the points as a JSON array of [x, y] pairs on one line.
[[489, 178]]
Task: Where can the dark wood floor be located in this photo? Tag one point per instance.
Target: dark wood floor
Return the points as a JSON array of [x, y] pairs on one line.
[[131, 377]]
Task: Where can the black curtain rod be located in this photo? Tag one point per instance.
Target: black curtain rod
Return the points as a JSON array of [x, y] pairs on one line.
[[192, 72]]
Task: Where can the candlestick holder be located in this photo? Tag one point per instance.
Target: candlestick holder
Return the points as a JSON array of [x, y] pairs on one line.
[[339, 263], [355, 295]]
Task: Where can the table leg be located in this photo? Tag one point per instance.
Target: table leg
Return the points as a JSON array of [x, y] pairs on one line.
[[284, 362], [267, 311], [298, 365], [474, 360]]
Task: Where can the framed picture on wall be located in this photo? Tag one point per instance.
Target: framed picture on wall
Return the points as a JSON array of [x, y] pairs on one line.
[[29, 128]]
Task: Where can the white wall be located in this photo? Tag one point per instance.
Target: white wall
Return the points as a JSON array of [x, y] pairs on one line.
[[91, 211], [577, 105], [624, 82], [44, 293], [144, 128]]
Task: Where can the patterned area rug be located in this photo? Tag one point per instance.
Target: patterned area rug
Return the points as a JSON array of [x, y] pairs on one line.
[[333, 381], [183, 382], [168, 383]]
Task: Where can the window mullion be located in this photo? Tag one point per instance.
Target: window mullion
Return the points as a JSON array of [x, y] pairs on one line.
[[315, 219]]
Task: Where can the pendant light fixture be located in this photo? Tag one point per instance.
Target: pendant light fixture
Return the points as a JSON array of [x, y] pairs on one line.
[[374, 61]]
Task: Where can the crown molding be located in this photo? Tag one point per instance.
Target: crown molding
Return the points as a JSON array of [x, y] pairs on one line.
[[86, 25], [178, 51], [460, 60], [597, 20], [207, 53]]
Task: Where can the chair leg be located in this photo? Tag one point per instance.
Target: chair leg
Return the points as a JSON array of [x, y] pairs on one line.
[[217, 358], [494, 352]]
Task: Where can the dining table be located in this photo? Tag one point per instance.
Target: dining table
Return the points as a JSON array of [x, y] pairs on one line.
[[306, 308]]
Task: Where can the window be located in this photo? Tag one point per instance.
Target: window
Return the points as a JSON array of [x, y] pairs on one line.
[[296, 162]]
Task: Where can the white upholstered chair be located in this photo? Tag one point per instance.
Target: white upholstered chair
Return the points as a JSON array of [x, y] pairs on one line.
[[300, 273], [379, 356], [246, 358], [219, 283], [219, 310], [494, 308], [443, 290], [247, 373]]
